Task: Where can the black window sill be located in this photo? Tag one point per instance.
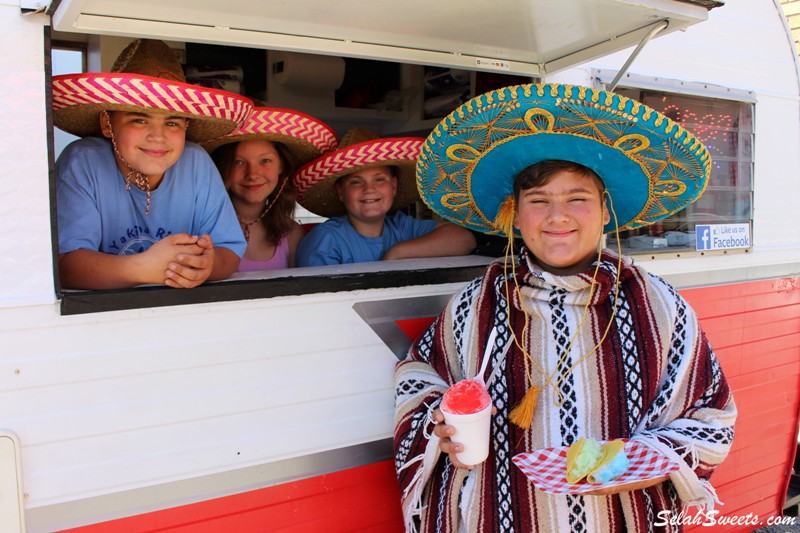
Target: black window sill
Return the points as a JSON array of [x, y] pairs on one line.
[[291, 282]]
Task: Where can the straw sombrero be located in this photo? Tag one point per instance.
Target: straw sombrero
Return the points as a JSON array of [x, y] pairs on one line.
[[304, 136], [651, 166], [145, 77], [359, 148]]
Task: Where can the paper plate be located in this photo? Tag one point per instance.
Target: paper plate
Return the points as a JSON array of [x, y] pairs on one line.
[[547, 468]]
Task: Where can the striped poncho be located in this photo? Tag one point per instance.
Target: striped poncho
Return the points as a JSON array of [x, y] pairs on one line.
[[654, 378]]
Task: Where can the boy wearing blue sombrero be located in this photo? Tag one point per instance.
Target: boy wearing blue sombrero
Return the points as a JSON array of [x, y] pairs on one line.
[[579, 341]]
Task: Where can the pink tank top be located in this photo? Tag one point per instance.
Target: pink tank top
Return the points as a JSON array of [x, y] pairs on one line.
[[280, 259]]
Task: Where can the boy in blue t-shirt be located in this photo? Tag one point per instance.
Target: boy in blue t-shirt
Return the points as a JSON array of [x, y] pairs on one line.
[[141, 205], [359, 185]]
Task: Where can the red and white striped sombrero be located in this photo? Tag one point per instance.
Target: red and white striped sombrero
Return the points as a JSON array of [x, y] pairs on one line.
[[359, 148], [304, 136], [145, 77]]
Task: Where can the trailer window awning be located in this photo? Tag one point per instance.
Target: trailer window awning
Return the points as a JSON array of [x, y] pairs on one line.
[[531, 37]]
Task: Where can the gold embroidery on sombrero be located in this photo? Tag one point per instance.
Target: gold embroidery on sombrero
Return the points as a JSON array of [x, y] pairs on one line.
[[486, 131], [534, 117], [669, 188], [595, 122], [632, 143], [445, 174], [456, 200], [666, 195], [671, 164], [453, 153]]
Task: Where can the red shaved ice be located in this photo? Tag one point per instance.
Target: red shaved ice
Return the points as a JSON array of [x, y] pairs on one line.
[[465, 397]]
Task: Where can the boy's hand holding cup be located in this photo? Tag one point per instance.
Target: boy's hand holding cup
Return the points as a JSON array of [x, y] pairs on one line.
[[467, 407]]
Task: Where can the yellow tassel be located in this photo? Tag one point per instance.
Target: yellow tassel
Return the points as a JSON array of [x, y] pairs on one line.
[[522, 414], [504, 220]]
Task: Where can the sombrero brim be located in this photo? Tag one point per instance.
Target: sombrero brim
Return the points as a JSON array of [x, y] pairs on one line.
[[304, 136], [651, 166], [315, 182], [78, 99]]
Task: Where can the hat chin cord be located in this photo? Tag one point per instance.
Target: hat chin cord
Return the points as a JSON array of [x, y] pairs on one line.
[[267, 207], [141, 181]]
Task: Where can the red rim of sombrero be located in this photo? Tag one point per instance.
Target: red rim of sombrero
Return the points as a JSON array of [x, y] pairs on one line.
[[305, 136], [358, 149], [145, 77]]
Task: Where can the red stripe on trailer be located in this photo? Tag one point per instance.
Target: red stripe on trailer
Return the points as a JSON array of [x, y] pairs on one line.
[[364, 499], [755, 330]]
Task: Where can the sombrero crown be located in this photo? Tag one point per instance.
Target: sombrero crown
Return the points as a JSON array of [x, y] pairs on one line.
[[358, 149], [304, 136], [650, 165], [145, 77]]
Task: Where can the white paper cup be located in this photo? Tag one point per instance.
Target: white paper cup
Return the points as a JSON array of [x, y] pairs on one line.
[[472, 432]]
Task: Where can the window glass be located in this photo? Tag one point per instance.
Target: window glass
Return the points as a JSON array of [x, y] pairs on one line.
[[726, 129], [66, 60]]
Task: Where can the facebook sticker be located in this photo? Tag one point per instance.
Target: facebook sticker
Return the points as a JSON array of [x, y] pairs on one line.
[[703, 236], [722, 236]]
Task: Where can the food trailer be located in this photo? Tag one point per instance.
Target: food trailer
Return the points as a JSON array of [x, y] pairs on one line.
[[265, 402]]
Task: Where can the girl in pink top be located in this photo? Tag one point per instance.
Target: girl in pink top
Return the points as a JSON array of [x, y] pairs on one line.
[[280, 259], [256, 163]]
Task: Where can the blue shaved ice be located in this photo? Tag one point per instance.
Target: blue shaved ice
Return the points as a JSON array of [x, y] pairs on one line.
[[611, 470]]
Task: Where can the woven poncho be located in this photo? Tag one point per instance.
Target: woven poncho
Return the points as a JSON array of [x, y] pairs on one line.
[[654, 378]]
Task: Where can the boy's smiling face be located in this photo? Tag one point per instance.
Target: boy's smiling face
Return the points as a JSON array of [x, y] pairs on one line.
[[368, 194], [562, 222], [149, 142]]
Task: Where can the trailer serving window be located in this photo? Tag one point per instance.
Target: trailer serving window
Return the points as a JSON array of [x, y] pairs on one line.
[[723, 120], [724, 124]]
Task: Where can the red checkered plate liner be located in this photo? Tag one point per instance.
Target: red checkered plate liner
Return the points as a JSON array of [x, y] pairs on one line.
[[547, 468]]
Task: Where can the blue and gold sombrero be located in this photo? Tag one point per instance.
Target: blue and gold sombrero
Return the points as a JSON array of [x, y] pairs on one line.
[[651, 166]]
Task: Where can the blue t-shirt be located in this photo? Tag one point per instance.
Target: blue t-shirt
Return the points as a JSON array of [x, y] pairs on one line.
[[96, 211], [336, 242]]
